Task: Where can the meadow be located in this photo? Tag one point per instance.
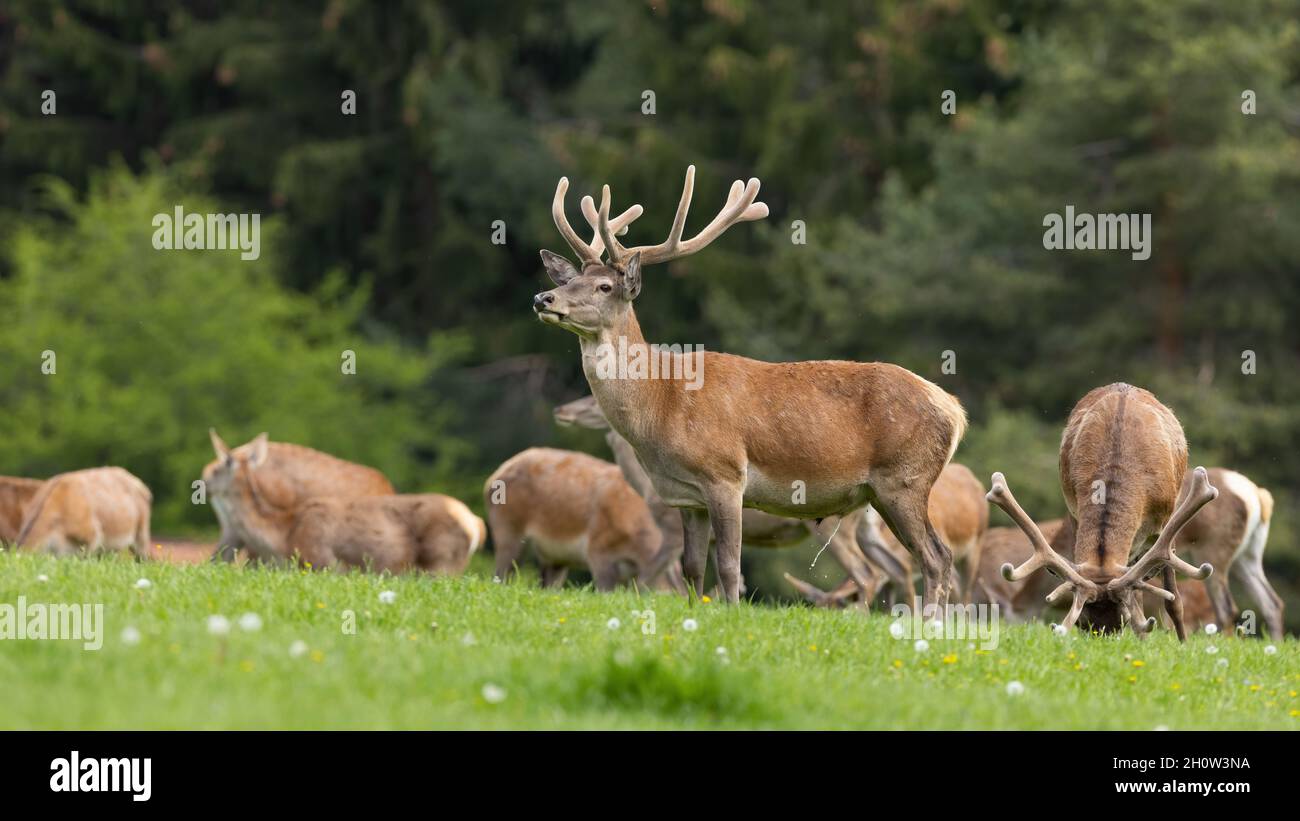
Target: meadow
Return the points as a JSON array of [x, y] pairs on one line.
[[468, 653]]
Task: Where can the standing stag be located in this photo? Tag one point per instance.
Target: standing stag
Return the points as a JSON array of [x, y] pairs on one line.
[[758, 529], [1123, 458], [845, 434]]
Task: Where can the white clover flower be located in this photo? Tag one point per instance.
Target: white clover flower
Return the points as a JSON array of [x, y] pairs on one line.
[[690, 625], [1211, 629], [1270, 650], [897, 630], [1015, 688], [1222, 663], [218, 625], [722, 651], [42, 578], [143, 584], [387, 597], [298, 649], [613, 623], [130, 635], [250, 622], [1162, 728], [1212, 650], [493, 694], [921, 645]]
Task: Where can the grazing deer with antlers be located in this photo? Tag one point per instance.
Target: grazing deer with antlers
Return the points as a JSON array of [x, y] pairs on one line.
[[15, 494], [1231, 533], [852, 433], [1123, 458], [576, 511], [758, 529]]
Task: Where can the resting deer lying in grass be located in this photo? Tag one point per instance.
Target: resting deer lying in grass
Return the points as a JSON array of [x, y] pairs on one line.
[[808, 440], [576, 511], [15, 494], [288, 475], [96, 509], [1230, 533], [1123, 458], [394, 533], [758, 529]]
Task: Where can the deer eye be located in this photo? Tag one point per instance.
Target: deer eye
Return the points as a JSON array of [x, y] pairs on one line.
[[605, 287]]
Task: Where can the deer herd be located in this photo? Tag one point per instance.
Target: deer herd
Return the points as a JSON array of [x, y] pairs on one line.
[[852, 456]]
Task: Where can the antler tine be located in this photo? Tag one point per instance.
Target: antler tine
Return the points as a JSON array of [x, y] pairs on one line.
[[1140, 625], [740, 207], [1044, 555], [616, 251], [1201, 494], [618, 225], [585, 252]]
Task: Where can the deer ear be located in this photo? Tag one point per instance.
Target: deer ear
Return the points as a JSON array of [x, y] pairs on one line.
[[218, 444], [632, 276], [260, 450], [559, 268]]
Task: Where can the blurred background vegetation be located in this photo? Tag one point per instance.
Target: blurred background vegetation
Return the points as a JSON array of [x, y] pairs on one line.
[[924, 230]]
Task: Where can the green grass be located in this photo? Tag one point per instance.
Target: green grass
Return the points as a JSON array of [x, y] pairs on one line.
[[425, 661]]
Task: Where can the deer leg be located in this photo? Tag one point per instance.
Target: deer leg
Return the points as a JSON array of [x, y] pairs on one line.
[[553, 575], [1174, 606], [227, 547], [695, 548], [1225, 610], [508, 546], [905, 514], [724, 517], [1266, 598], [844, 548]]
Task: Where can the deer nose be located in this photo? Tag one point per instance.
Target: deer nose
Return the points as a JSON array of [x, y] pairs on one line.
[[542, 300]]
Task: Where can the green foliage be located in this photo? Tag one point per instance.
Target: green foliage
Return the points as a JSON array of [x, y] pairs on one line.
[[152, 347]]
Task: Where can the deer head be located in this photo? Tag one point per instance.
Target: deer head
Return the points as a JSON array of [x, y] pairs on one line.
[[598, 295], [1122, 443], [582, 413]]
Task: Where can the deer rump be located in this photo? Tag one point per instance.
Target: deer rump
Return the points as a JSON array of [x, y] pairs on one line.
[[428, 532], [96, 509]]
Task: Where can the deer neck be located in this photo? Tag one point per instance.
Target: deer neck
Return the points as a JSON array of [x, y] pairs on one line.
[[623, 401], [258, 518]]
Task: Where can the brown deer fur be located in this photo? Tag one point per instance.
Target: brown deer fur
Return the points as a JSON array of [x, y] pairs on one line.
[[1230, 533], [1123, 458], [1003, 545], [960, 515], [15, 494], [852, 433], [758, 529], [96, 509], [288, 476], [576, 511], [394, 532]]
